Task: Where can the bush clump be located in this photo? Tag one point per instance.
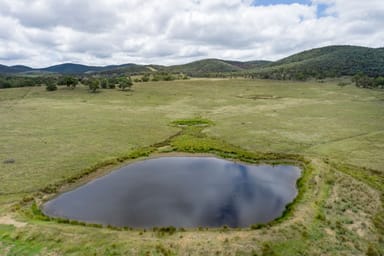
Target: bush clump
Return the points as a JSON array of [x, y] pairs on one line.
[[192, 122]]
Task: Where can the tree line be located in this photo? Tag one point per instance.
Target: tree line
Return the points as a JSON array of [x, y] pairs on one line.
[[95, 82], [364, 81], [21, 81], [124, 82]]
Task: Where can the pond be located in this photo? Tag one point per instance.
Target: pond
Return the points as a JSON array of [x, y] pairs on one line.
[[181, 192]]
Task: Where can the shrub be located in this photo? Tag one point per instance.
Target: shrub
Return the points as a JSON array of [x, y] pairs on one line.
[[51, 86], [257, 226], [170, 230], [145, 78], [371, 251], [104, 84], [192, 122], [93, 85]]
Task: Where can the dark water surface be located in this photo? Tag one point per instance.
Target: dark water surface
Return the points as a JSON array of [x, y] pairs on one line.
[[182, 192]]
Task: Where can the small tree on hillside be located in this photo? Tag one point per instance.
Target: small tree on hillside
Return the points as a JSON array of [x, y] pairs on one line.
[[93, 85], [362, 80], [104, 83], [125, 83], [71, 82], [379, 82], [112, 81], [50, 85], [146, 77]]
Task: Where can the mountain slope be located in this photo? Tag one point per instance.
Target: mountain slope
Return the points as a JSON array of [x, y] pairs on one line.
[[20, 68], [14, 69], [329, 61], [202, 67], [125, 68], [322, 62], [71, 68], [248, 64]]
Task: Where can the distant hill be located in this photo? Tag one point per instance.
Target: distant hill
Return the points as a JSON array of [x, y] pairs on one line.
[[197, 68], [249, 64], [14, 69], [71, 68], [204, 66], [127, 68], [75, 69], [4, 69], [210, 66], [20, 68], [330, 61]]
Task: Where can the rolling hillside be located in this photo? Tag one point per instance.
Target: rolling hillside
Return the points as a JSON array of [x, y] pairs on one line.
[[330, 61], [14, 69], [70, 68], [75, 69], [211, 66]]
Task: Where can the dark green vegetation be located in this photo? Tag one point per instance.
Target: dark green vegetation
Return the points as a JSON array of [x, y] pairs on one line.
[[53, 141], [332, 61], [364, 81], [9, 81], [94, 82], [192, 122]]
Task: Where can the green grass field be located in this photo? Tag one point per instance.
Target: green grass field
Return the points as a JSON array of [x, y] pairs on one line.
[[339, 131]]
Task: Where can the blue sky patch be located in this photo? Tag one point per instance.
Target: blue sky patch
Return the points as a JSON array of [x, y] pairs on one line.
[[321, 8], [273, 2]]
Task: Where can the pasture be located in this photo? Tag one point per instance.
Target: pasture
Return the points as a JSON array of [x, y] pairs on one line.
[[49, 137]]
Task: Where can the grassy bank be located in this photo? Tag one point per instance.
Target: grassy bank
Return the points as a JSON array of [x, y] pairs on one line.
[[57, 137]]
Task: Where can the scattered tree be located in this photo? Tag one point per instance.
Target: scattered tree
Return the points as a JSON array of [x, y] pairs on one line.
[[111, 85], [379, 82], [104, 83], [145, 77], [5, 84], [50, 85], [93, 84], [362, 80], [72, 82], [125, 82], [69, 81], [112, 82]]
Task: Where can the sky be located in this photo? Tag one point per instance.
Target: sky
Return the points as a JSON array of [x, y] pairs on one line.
[[40, 33]]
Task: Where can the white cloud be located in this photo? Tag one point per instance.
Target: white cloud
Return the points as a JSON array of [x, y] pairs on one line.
[[96, 32]]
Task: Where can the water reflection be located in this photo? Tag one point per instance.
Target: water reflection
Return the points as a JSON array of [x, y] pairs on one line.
[[183, 192]]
